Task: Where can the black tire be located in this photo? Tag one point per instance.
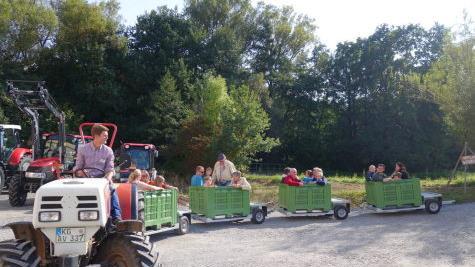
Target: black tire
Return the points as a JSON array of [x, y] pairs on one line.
[[258, 216], [18, 253], [340, 212], [126, 250], [2, 179], [184, 225], [432, 206], [16, 193]]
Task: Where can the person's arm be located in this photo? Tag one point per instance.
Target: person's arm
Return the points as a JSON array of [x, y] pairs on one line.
[[145, 186], [109, 166], [78, 167], [214, 176], [291, 182], [232, 168]]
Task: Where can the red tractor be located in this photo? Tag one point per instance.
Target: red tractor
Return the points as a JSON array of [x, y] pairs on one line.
[[142, 157], [11, 155]]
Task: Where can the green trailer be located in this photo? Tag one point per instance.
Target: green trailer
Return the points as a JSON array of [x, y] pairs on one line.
[[157, 210], [401, 195], [311, 200], [218, 204]]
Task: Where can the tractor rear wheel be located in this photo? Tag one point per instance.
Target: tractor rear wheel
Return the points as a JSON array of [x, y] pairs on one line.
[[18, 253], [2, 179], [16, 193], [126, 250]]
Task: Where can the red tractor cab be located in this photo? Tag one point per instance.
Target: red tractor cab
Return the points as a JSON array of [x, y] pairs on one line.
[[142, 157], [43, 170], [11, 154]]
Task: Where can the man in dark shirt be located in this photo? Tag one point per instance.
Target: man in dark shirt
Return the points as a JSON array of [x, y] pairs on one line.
[[379, 175]]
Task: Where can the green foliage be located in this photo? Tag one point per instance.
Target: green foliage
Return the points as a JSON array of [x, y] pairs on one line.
[[451, 83], [251, 81]]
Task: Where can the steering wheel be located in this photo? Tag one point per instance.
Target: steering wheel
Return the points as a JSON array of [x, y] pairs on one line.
[[91, 168]]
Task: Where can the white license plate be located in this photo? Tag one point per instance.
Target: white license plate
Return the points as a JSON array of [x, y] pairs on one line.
[[70, 235]]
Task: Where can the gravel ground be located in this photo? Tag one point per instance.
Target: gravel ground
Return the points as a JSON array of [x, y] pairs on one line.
[[402, 239]]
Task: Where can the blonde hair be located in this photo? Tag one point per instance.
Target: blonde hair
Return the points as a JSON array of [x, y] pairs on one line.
[[136, 174], [160, 179], [145, 177], [317, 170]]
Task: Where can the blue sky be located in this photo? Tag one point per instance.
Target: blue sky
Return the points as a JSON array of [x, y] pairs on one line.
[[344, 20]]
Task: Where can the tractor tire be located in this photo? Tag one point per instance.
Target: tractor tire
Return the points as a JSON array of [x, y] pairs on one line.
[[16, 193], [2, 179], [18, 253], [126, 250]]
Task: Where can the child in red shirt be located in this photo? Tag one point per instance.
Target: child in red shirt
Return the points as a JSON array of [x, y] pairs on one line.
[[292, 179]]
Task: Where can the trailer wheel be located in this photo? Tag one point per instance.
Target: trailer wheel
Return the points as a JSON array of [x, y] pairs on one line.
[[18, 253], [340, 212], [126, 250], [184, 225], [258, 216], [16, 193], [432, 206]]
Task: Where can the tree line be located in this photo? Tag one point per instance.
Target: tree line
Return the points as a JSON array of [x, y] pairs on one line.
[[252, 81]]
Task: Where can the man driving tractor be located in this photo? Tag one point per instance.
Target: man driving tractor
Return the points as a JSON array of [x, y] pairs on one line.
[[96, 160]]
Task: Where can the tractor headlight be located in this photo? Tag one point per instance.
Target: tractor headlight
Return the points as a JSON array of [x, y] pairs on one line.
[[89, 215], [39, 175], [49, 216]]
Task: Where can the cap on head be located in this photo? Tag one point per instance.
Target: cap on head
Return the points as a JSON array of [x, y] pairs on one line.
[[221, 156]]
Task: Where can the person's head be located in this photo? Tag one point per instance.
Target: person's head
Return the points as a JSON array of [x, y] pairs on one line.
[[200, 170], [293, 172], [135, 175], [287, 171], [221, 158], [400, 167], [160, 179], [372, 168], [145, 177], [209, 171], [397, 175], [236, 175], [317, 172], [208, 180], [381, 167], [308, 173], [100, 133]]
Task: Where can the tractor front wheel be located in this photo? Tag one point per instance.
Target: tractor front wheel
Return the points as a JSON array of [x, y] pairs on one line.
[[16, 193], [2, 179], [126, 250], [18, 253]]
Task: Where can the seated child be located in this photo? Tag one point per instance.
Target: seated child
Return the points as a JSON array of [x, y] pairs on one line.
[[197, 179], [370, 173], [134, 178], [318, 177], [208, 182], [308, 179], [238, 181], [145, 177], [285, 173], [161, 183]]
